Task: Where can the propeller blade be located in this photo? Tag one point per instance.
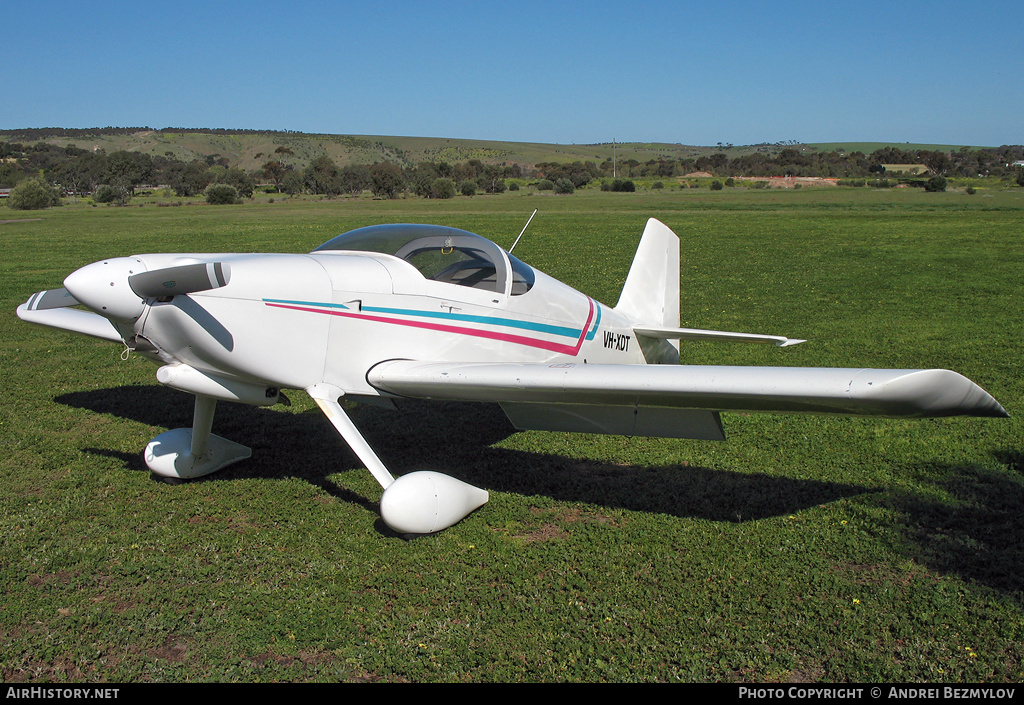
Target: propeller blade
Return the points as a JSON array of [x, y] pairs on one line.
[[185, 279], [51, 298]]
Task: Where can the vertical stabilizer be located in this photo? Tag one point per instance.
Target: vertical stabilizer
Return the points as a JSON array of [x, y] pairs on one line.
[[650, 296]]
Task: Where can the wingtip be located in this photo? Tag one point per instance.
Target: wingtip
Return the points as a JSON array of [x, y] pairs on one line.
[[946, 393]]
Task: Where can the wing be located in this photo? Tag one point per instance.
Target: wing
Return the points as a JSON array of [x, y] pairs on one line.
[[681, 400]]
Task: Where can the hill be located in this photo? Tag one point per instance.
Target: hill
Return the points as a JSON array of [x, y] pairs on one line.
[[869, 147], [251, 149]]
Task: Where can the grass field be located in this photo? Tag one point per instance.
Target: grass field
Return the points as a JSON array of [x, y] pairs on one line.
[[803, 548]]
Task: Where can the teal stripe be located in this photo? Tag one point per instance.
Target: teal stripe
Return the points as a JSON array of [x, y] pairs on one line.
[[490, 320], [304, 303], [507, 322]]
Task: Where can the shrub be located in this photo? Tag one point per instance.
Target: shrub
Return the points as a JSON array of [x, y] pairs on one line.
[[971, 190], [623, 185], [467, 188], [108, 193], [442, 188], [33, 194], [564, 186], [716, 185], [221, 194], [730, 182], [243, 183], [546, 185], [658, 185], [935, 184]]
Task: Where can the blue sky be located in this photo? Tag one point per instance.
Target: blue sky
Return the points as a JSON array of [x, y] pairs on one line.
[[735, 71]]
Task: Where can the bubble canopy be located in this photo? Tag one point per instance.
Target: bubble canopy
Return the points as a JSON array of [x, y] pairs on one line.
[[441, 253]]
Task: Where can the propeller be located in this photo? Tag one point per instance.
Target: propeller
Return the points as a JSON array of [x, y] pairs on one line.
[[184, 279]]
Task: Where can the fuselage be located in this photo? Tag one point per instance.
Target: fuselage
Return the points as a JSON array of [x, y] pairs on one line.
[[294, 320]]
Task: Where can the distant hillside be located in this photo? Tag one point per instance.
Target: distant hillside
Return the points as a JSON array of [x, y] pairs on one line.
[[251, 149], [869, 147]]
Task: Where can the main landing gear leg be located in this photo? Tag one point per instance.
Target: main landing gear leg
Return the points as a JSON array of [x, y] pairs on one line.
[[421, 502]]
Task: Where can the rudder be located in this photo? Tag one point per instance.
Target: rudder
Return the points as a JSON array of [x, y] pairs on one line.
[[650, 296]]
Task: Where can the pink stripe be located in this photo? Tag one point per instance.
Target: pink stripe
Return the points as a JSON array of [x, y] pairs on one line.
[[505, 337]]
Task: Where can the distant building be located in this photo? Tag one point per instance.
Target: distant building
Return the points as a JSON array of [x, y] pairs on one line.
[[912, 169]]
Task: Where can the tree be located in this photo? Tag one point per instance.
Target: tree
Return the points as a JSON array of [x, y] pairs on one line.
[[490, 179], [33, 194], [386, 180], [421, 179], [189, 179], [292, 183], [129, 169], [355, 179], [323, 176], [275, 171], [79, 174]]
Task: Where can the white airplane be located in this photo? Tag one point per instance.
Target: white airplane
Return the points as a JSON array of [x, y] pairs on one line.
[[431, 312]]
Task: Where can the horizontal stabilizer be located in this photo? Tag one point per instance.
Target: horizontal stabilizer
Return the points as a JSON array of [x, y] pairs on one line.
[[892, 393], [71, 319], [697, 334]]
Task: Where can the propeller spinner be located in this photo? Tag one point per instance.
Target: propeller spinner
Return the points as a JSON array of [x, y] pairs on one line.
[[118, 288], [103, 287]]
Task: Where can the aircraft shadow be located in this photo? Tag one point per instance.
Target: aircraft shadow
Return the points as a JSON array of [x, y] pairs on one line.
[[981, 538], [977, 534], [456, 439]]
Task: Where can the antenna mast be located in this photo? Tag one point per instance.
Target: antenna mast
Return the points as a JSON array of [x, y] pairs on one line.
[[523, 231]]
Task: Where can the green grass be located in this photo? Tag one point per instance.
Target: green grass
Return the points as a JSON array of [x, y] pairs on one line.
[[800, 549]]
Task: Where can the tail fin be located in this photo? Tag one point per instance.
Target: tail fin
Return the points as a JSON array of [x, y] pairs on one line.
[[650, 297]]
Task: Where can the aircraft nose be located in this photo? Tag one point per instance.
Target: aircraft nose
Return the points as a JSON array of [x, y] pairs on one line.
[[103, 287]]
